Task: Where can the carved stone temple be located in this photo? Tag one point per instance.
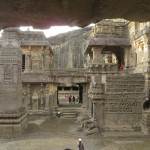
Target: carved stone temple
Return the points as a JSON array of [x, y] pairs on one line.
[[101, 71]]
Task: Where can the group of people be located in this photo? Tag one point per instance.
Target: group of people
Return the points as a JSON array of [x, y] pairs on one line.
[[72, 99]]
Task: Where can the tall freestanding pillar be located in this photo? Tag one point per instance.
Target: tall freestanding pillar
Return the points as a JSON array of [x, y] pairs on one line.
[[12, 115]]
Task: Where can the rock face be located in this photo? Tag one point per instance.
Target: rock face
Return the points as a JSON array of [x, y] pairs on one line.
[[69, 48], [42, 14]]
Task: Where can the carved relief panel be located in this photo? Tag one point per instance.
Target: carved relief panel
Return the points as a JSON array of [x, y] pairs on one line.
[[7, 73], [36, 96], [37, 57]]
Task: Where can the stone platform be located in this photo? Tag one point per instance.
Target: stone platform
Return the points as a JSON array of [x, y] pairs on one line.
[[12, 124], [59, 134]]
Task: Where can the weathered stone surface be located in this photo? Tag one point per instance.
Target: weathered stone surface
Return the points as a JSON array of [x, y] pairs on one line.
[[69, 48], [13, 118], [42, 14]]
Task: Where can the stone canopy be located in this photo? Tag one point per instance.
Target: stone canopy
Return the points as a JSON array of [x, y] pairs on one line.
[[43, 14]]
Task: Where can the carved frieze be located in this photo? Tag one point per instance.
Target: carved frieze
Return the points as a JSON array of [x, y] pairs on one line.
[[124, 93], [102, 68]]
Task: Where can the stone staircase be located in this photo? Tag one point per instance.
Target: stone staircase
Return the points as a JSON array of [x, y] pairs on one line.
[[69, 111], [124, 97]]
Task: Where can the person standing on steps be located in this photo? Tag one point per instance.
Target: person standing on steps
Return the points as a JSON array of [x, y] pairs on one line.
[[80, 145]]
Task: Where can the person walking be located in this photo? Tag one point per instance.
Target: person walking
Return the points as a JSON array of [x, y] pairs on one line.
[[80, 145]]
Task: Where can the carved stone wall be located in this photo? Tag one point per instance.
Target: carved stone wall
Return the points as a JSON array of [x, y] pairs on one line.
[[124, 97], [37, 57], [36, 96], [96, 95]]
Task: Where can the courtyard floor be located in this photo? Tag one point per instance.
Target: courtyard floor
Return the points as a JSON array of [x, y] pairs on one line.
[[59, 134]]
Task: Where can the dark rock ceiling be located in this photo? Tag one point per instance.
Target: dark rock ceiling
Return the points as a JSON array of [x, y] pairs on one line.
[[46, 13]]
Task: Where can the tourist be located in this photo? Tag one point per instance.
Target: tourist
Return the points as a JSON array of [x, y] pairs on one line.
[[80, 145], [73, 99], [58, 114], [146, 104], [70, 99], [121, 67]]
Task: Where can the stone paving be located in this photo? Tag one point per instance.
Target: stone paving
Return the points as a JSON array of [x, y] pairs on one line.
[[59, 134]]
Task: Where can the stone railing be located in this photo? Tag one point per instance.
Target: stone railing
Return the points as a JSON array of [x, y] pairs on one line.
[[103, 68]]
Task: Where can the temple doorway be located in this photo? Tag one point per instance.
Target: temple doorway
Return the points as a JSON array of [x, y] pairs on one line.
[[69, 95]]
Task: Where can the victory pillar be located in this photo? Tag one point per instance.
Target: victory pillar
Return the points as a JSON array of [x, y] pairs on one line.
[[13, 118]]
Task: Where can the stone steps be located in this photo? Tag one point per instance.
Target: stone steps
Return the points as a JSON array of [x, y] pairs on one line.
[[69, 112]]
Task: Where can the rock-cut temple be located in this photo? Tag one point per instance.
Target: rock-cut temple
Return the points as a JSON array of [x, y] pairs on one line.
[[101, 72]]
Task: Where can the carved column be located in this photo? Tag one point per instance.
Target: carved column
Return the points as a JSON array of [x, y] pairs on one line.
[[85, 97], [126, 56], [28, 100], [47, 97], [97, 56], [12, 113], [47, 58], [97, 96], [42, 58], [28, 60]]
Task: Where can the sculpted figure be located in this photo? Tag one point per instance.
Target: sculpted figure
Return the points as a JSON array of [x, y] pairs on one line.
[[28, 61], [35, 100], [42, 100]]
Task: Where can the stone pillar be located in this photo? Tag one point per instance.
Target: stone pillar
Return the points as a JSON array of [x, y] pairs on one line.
[[85, 96], [28, 60], [126, 56], [47, 97], [97, 96], [12, 113], [147, 51], [97, 56]]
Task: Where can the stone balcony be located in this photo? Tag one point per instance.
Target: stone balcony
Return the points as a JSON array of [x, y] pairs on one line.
[[102, 68]]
